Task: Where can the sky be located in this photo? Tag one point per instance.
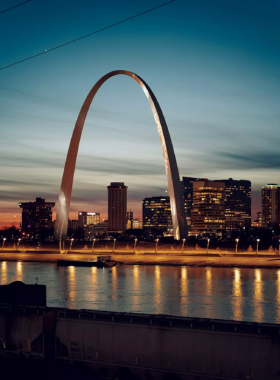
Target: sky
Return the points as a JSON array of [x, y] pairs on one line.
[[214, 67]]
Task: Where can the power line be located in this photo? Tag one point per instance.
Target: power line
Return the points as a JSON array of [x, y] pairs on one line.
[[15, 6], [87, 35]]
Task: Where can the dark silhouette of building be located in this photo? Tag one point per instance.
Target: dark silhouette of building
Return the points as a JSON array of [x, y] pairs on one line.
[[82, 219], [117, 205], [157, 213], [237, 203], [208, 213], [270, 205], [73, 224], [36, 216]]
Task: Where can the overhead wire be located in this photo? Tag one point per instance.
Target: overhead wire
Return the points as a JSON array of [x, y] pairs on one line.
[[87, 35], [15, 6]]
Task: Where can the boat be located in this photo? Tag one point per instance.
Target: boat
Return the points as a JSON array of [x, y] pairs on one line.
[[101, 262]]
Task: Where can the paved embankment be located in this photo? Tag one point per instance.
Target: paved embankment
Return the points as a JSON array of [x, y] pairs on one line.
[[187, 260]]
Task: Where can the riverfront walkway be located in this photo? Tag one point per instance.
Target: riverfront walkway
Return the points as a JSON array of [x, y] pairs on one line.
[[197, 260]]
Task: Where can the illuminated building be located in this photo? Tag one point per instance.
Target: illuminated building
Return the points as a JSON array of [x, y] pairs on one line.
[[270, 205], [187, 184], [208, 213], [93, 218], [36, 216], [117, 204], [137, 224], [237, 203], [157, 213], [259, 218], [82, 219]]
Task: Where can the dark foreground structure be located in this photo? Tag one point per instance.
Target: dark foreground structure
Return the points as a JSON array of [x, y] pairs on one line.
[[50, 343]]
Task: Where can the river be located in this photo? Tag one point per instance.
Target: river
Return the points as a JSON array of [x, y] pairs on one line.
[[220, 293]]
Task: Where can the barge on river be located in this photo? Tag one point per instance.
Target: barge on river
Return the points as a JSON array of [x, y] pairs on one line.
[[101, 262]]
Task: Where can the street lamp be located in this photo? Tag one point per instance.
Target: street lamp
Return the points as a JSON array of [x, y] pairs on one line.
[[183, 244], [237, 240], [93, 241], [18, 243], [71, 242], [258, 240], [114, 245], [4, 239], [208, 241], [156, 246], [135, 241]]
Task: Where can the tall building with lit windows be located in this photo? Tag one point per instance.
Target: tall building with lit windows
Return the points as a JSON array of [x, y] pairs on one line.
[[270, 205], [157, 213], [237, 203], [117, 205], [36, 216], [187, 185], [208, 213]]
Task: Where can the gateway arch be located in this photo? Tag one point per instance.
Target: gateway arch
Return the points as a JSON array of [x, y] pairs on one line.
[[172, 173]]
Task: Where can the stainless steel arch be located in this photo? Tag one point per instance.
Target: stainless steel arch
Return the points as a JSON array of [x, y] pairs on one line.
[[174, 185]]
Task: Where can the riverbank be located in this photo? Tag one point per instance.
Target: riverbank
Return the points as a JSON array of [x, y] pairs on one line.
[[240, 261]]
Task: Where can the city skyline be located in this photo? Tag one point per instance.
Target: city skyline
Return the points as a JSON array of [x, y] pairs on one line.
[[218, 90]]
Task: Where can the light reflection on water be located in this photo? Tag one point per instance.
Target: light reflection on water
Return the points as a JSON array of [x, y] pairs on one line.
[[225, 293]]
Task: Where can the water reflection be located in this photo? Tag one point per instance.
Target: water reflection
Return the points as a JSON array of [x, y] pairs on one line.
[[237, 296], [208, 281], [258, 296], [136, 285], [157, 295], [4, 273], [225, 293], [114, 283], [72, 286], [19, 271], [184, 289]]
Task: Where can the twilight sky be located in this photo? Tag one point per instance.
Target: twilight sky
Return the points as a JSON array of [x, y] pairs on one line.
[[214, 67]]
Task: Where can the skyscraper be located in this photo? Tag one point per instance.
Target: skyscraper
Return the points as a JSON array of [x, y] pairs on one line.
[[117, 205], [208, 213], [36, 216], [157, 213], [270, 205], [82, 219], [187, 184], [237, 203]]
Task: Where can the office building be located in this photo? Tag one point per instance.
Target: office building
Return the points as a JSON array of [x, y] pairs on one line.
[[93, 218], [208, 213], [237, 203], [73, 224], [187, 184], [157, 213], [36, 216], [117, 205], [270, 205], [82, 219]]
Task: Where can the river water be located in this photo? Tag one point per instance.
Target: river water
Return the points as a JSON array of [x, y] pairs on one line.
[[221, 293]]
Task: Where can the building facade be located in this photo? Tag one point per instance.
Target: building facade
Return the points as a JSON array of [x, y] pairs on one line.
[[157, 213], [187, 184], [237, 203], [270, 205], [82, 219], [208, 213], [117, 206], [93, 218], [36, 216]]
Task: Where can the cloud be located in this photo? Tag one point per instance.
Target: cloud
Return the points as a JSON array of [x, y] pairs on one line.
[[251, 160]]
